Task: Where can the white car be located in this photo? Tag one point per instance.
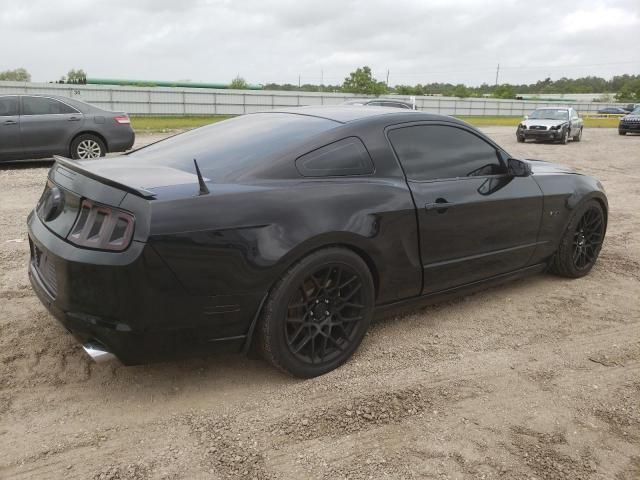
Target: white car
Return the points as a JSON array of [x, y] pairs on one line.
[[551, 124]]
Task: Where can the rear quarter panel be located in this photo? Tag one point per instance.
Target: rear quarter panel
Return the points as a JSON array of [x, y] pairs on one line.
[[243, 238]]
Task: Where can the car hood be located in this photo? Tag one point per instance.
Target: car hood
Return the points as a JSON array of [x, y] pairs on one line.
[[542, 167], [544, 122]]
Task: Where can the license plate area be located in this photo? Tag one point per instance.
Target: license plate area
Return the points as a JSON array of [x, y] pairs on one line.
[[45, 268]]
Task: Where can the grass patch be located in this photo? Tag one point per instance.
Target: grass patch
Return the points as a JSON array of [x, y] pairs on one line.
[[168, 123], [513, 121], [161, 124]]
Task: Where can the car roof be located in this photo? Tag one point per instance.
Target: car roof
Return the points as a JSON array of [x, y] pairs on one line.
[[352, 113]]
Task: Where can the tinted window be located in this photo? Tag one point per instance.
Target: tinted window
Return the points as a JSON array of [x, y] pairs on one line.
[[44, 106], [394, 104], [429, 152], [241, 145], [345, 157], [9, 106]]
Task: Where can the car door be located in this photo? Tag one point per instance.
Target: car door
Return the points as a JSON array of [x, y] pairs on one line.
[[47, 126], [10, 147], [475, 220]]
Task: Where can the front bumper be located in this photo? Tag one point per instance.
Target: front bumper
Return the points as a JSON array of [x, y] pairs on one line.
[[540, 134], [629, 127], [130, 303]]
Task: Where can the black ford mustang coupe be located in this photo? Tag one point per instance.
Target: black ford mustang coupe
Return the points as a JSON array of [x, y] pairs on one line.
[[287, 230]]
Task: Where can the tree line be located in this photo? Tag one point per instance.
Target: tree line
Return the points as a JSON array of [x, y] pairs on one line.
[[624, 88]]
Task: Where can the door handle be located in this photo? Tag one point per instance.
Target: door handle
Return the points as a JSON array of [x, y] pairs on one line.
[[10, 122], [441, 205], [74, 119]]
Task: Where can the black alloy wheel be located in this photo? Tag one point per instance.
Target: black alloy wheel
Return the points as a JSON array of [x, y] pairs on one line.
[[581, 242], [588, 238], [323, 314], [317, 313]]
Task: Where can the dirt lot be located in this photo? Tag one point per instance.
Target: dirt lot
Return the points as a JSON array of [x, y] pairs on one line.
[[536, 379]]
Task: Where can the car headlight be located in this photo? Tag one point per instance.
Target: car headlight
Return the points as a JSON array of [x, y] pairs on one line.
[[557, 127], [523, 126]]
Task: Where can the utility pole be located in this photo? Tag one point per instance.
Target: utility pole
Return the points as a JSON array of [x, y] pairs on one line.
[[387, 78], [321, 78], [497, 73], [298, 81]]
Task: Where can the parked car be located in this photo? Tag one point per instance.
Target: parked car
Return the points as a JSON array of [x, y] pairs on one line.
[[551, 124], [381, 102], [631, 107], [612, 111], [40, 126], [630, 123], [290, 229]]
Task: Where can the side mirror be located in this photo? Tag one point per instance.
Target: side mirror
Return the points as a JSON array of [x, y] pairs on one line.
[[518, 168], [526, 117]]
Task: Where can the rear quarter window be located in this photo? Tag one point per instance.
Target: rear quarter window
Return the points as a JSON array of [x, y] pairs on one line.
[[348, 156]]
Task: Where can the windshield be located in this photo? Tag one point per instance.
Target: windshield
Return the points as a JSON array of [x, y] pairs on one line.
[[550, 114], [228, 149], [636, 111]]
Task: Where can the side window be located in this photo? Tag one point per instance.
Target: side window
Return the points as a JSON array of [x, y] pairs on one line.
[[429, 152], [344, 157], [9, 107], [44, 106]]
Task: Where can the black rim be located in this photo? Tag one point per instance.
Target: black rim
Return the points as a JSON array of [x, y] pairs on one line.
[[588, 238], [324, 313]]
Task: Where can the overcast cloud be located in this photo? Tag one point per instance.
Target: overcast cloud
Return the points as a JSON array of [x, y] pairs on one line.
[[418, 41]]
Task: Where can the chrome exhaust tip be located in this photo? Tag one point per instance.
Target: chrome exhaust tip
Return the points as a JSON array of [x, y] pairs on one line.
[[98, 353]]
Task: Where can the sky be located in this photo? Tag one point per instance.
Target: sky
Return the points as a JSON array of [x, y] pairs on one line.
[[264, 41]]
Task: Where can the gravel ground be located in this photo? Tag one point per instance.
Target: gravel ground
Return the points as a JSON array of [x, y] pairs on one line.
[[536, 379]]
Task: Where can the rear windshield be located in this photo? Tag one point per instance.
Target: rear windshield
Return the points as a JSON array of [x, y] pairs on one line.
[[227, 149]]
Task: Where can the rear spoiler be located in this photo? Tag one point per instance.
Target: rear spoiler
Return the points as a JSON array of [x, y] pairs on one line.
[[73, 165]]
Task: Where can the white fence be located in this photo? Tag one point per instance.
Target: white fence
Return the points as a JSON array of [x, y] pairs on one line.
[[198, 101]]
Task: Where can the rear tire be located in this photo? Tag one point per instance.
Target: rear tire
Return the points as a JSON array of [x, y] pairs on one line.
[[578, 137], [317, 314], [87, 146], [581, 242]]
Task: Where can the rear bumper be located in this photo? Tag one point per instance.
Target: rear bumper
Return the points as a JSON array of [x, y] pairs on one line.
[[130, 303], [122, 142]]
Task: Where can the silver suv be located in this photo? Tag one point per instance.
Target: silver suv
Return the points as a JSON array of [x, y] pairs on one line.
[[551, 124]]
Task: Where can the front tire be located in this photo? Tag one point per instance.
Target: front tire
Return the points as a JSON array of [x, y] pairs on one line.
[[565, 136], [520, 138], [87, 146], [581, 242], [621, 132], [317, 314]]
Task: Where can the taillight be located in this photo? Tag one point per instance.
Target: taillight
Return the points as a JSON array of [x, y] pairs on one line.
[[122, 119], [102, 227]]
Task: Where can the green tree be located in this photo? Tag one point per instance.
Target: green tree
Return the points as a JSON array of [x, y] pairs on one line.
[[504, 91], [460, 91], [362, 81], [77, 76], [238, 83], [17, 75]]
